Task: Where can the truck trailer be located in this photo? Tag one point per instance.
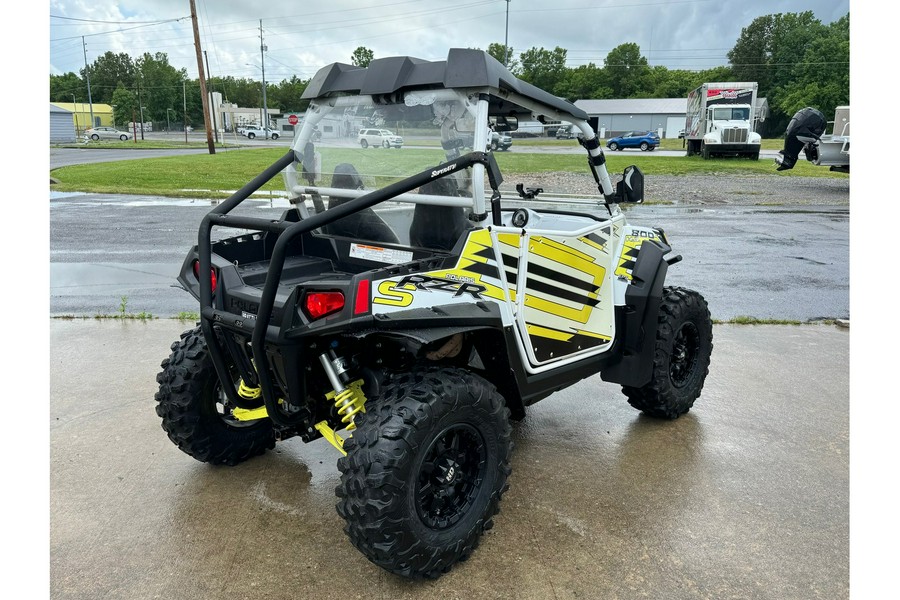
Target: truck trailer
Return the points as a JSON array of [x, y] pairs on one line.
[[720, 119]]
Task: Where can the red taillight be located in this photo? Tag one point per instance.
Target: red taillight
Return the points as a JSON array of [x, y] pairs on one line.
[[213, 280], [361, 304], [319, 304]]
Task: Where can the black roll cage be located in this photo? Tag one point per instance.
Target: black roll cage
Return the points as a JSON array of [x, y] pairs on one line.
[[288, 231]]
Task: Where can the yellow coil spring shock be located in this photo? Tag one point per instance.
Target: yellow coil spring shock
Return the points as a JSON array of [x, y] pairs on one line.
[[349, 400]]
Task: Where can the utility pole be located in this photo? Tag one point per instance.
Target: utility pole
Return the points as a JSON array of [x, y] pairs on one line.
[[87, 75], [212, 104], [184, 113], [141, 105], [75, 106], [262, 57], [209, 136], [506, 39]]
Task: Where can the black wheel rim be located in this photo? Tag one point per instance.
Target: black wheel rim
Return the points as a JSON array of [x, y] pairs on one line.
[[451, 475], [685, 351]]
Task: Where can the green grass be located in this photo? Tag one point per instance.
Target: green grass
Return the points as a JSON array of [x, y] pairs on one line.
[[183, 176], [745, 320]]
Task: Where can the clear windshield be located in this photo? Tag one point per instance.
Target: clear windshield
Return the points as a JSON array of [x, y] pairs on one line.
[[731, 114], [351, 146]]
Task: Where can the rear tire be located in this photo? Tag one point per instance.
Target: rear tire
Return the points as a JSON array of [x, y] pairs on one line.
[[195, 413], [425, 471], [250, 136], [681, 358], [644, 146]]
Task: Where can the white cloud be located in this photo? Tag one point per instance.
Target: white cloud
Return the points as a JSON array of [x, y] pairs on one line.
[[692, 34]]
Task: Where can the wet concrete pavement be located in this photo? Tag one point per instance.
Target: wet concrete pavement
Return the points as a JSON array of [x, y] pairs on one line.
[[745, 497]]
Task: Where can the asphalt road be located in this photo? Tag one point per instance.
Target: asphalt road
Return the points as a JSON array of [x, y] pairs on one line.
[[764, 262]]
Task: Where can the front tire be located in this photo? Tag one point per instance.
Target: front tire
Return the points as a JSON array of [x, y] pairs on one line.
[[364, 144], [425, 471], [195, 412], [274, 136], [613, 146], [95, 137], [681, 358], [124, 138]]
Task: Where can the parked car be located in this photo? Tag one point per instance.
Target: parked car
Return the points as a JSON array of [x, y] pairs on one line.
[[566, 132], [379, 138], [645, 140], [106, 133], [253, 131], [500, 141]]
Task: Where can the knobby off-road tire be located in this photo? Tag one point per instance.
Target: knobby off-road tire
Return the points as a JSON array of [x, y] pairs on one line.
[[681, 358], [195, 413], [425, 471]]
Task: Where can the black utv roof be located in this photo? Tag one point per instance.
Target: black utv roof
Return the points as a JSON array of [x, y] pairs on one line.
[[464, 68]]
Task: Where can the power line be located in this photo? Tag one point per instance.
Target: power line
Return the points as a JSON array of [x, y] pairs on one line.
[[117, 30], [113, 22]]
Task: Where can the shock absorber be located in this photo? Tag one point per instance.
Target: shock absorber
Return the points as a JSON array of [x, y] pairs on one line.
[[348, 397]]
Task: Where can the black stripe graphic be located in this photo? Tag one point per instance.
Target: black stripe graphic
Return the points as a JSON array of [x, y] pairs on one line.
[[535, 269], [484, 269], [601, 241], [555, 292], [547, 348]]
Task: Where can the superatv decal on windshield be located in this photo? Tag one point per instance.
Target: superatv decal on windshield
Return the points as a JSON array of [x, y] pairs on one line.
[[402, 293]]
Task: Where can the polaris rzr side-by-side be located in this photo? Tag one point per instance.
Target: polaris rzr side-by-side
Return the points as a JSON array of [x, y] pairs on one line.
[[405, 309]]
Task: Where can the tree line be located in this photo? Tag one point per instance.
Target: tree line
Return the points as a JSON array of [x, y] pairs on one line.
[[796, 59]]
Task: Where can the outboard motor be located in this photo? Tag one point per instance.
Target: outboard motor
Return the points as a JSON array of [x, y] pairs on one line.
[[805, 129]]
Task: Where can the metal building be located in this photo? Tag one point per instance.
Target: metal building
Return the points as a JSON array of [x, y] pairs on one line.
[[62, 126]]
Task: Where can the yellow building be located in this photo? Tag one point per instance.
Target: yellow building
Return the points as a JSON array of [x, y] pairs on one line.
[[81, 114]]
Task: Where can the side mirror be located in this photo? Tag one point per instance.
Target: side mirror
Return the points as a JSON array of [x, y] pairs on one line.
[[631, 187]]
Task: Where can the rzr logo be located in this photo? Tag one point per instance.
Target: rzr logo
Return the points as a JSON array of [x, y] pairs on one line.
[[401, 293]]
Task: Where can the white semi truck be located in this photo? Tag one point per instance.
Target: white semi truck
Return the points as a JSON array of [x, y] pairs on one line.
[[720, 120]]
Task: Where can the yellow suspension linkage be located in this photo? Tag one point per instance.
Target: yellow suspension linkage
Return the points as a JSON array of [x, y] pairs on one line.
[[350, 402], [250, 414]]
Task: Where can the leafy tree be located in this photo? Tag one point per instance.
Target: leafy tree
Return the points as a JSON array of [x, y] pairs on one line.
[[159, 85], [107, 72], [124, 104], [543, 68], [784, 54], [584, 81], [822, 77], [504, 54], [627, 71], [288, 94], [62, 87], [362, 56]]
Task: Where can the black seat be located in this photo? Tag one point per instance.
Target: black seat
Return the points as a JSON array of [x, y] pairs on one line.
[[364, 224], [438, 227]]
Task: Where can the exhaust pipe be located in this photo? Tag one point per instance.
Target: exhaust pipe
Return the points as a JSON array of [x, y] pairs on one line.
[[804, 130]]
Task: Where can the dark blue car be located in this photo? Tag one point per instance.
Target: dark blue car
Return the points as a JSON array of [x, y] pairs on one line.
[[645, 140]]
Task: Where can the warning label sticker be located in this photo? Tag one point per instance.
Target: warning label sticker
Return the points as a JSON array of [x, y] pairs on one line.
[[378, 254]]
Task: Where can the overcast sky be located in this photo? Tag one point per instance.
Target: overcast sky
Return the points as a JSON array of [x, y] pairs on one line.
[[303, 36]]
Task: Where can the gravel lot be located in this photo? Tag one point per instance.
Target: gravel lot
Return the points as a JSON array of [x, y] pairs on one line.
[[770, 190]]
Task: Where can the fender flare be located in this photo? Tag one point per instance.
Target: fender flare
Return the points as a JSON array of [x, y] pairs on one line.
[[642, 301]]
